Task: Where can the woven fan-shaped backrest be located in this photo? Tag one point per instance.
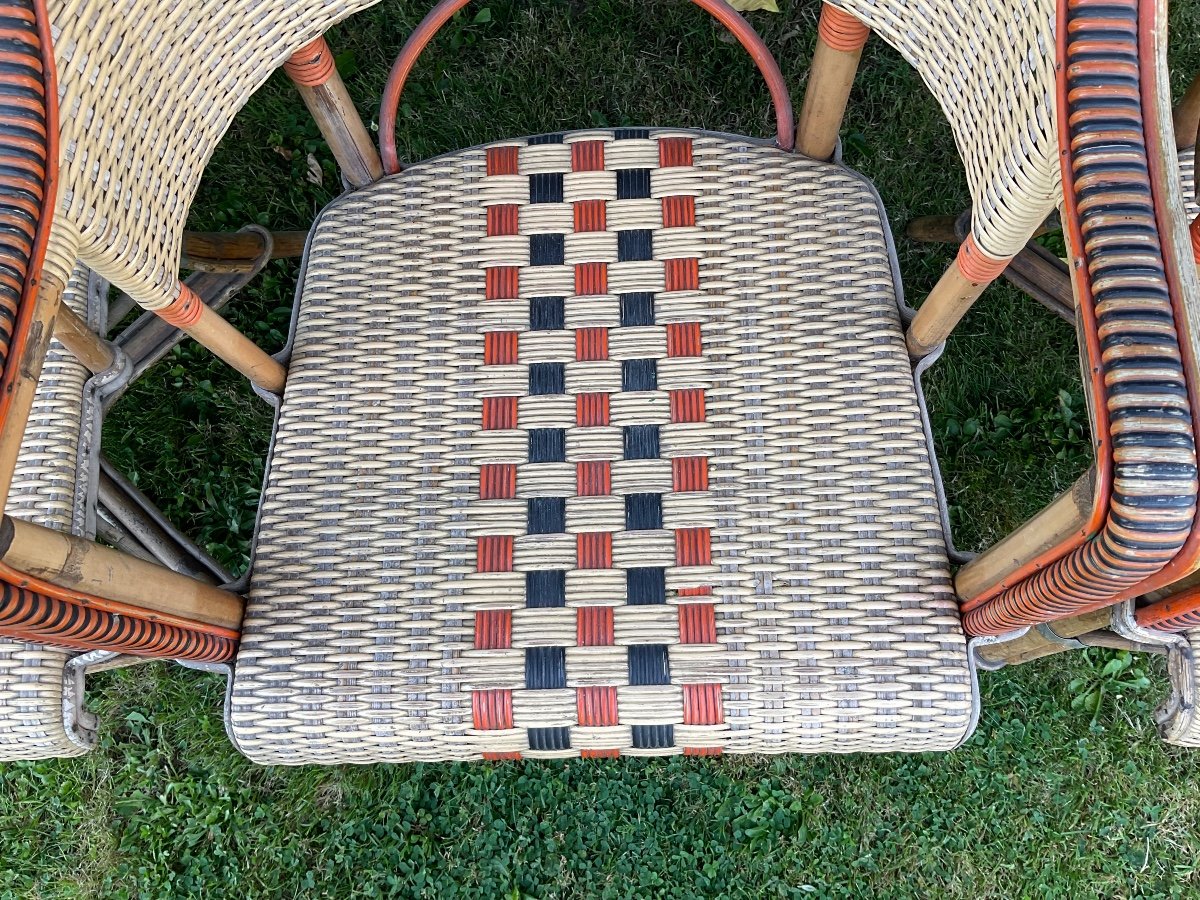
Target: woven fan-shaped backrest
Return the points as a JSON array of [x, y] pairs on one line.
[[147, 89], [990, 65]]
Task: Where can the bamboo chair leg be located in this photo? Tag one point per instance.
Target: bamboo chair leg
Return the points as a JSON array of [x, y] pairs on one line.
[[236, 251], [840, 41], [1045, 641], [1186, 116], [192, 316], [951, 297], [321, 87]]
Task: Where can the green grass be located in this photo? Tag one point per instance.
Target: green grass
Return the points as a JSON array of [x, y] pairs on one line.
[[1049, 799]]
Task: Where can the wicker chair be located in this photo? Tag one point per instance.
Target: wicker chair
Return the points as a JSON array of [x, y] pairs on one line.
[[608, 442]]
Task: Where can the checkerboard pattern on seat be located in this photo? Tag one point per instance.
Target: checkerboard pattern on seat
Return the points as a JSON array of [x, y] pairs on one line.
[[601, 443]]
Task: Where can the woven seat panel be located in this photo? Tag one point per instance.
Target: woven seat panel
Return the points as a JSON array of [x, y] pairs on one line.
[[43, 491], [600, 443]]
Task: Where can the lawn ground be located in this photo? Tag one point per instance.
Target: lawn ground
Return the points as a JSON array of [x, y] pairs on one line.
[[1052, 797]]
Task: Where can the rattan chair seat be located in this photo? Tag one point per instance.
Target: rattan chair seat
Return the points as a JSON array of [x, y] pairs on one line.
[[600, 443], [33, 724]]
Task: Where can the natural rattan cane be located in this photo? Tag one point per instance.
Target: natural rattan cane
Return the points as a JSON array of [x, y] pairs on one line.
[[32, 721], [600, 443]]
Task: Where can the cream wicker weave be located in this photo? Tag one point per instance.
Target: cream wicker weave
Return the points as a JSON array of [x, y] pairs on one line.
[[147, 88], [991, 68], [33, 724], [708, 519]]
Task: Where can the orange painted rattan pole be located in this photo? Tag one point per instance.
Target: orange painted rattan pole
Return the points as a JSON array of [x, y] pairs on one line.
[[443, 11], [840, 42]]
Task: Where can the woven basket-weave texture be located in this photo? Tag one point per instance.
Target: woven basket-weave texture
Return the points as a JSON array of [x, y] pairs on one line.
[[43, 491], [991, 68], [147, 89], [600, 443]]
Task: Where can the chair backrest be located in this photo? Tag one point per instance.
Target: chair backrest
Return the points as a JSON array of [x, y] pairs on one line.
[[990, 65], [147, 88]]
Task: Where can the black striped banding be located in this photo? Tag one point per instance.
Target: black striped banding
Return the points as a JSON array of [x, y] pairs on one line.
[[1121, 281]]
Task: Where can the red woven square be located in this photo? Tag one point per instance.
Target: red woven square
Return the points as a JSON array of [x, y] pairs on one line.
[[593, 478], [702, 751], [682, 274], [678, 212], [492, 710], [591, 344], [599, 754], [689, 473], [596, 706], [501, 283], [687, 405], [502, 219], [494, 553], [499, 413], [702, 704], [497, 481], [674, 151], [505, 756], [591, 409], [593, 550], [590, 215], [500, 348], [591, 278], [683, 339], [493, 629], [697, 623], [693, 546], [502, 160], [587, 156], [594, 626]]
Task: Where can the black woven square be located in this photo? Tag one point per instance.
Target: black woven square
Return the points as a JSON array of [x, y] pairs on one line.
[[648, 664], [548, 445], [547, 515], [639, 375], [633, 246], [640, 441], [646, 585], [546, 313], [545, 668], [643, 512], [547, 187], [637, 309], [546, 249], [549, 738], [547, 378], [546, 589], [632, 184], [653, 737]]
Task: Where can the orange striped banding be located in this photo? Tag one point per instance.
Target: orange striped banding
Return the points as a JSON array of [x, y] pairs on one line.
[[593, 550], [593, 478], [977, 266], [594, 626], [312, 65], [493, 629], [841, 31], [1194, 234], [185, 310], [596, 706]]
